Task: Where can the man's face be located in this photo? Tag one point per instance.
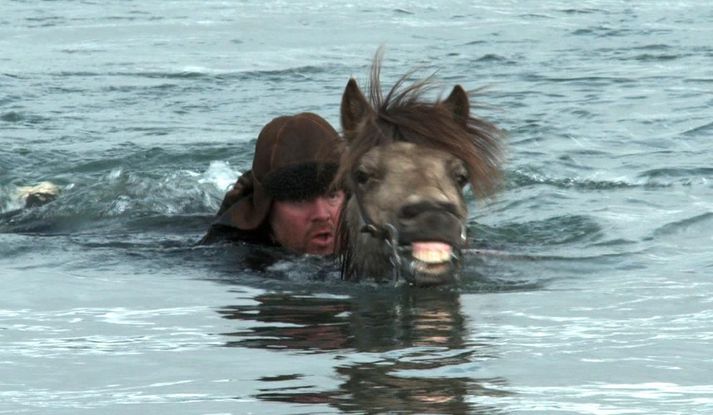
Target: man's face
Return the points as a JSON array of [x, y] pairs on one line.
[[307, 226]]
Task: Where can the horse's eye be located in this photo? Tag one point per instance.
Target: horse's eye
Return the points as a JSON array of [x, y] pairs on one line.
[[361, 177], [461, 179]]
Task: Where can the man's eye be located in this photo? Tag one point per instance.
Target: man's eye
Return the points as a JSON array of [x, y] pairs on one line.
[[334, 196]]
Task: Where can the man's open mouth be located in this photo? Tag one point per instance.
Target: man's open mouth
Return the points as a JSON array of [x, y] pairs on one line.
[[323, 236]]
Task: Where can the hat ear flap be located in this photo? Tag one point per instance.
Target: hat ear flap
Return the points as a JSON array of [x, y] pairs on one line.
[[245, 206], [243, 186]]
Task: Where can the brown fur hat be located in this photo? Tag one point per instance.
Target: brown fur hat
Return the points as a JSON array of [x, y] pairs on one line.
[[296, 158]]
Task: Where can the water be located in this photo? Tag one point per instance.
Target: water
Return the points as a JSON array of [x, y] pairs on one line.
[[143, 112]]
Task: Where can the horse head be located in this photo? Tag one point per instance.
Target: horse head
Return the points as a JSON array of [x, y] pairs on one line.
[[406, 166]]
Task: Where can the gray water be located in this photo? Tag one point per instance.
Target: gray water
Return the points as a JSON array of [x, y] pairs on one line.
[[599, 301]]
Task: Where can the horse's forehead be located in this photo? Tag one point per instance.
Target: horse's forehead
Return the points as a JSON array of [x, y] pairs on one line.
[[401, 156], [411, 173]]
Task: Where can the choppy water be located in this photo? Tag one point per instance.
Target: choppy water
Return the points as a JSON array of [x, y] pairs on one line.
[[143, 112]]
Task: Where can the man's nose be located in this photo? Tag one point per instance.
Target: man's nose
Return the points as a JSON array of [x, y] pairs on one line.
[[321, 209]]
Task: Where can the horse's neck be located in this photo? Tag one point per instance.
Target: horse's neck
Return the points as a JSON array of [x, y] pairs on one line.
[[368, 255]]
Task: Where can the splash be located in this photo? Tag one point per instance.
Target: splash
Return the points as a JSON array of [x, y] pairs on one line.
[[220, 174]]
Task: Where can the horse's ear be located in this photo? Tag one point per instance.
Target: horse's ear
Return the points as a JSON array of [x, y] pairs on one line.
[[354, 108], [458, 104]]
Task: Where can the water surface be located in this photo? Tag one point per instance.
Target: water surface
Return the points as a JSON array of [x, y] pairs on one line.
[[599, 301]]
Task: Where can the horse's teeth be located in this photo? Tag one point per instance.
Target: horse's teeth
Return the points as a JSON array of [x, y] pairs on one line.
[[431, 252]]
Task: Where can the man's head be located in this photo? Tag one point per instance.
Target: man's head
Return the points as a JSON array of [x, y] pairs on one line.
[[295, 160]]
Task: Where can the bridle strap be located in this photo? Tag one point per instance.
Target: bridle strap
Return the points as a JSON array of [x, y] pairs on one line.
[[388, 233], [369, 226]]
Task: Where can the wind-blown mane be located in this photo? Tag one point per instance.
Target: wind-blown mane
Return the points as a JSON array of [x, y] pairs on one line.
[[403, 115]]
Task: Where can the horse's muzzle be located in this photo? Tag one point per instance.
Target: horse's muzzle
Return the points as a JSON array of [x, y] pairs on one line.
[[428, 263], [429, 247]]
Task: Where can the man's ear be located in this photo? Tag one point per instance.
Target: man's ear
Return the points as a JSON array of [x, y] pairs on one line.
[[458, 104], [355, 108]]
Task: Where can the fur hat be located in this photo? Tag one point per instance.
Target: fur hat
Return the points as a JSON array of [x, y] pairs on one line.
[[296, 158]]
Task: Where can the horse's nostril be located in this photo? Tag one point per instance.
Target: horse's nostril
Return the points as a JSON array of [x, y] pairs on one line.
[[412, 210], [409, 211]]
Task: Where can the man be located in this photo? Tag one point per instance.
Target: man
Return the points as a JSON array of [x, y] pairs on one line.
[[286, 199]]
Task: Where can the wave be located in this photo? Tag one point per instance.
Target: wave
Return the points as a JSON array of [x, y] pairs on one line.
[[683, 176], [700, 130], [557, 230], [651, 179], [123, 198], [198, 73], [495, 58], [650, 57], [15, 117], [702, 223], [520, 178]]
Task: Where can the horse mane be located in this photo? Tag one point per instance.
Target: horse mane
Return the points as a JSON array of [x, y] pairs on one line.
[[403, 114]]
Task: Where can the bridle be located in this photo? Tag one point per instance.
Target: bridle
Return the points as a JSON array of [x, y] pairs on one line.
[[388, 233]]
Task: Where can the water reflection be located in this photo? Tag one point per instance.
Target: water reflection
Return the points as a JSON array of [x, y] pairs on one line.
[[404, 350], [373, 388], [299, 323]]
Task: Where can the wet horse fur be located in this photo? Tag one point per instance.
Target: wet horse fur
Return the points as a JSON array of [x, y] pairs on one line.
[[405, 167]]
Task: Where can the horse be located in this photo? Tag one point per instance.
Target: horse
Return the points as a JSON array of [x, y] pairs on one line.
[[405, 167]]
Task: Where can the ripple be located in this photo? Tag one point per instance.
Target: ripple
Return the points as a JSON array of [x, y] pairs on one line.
[[492, 57], [403, 12], [23, 117], [704, 129], [677, 173], [581, 11], [616, 398], [110, 396], [520, 178], [558, 230], [107, 345], [702, 223], [208, 74], [34, 334], [648, 57]]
